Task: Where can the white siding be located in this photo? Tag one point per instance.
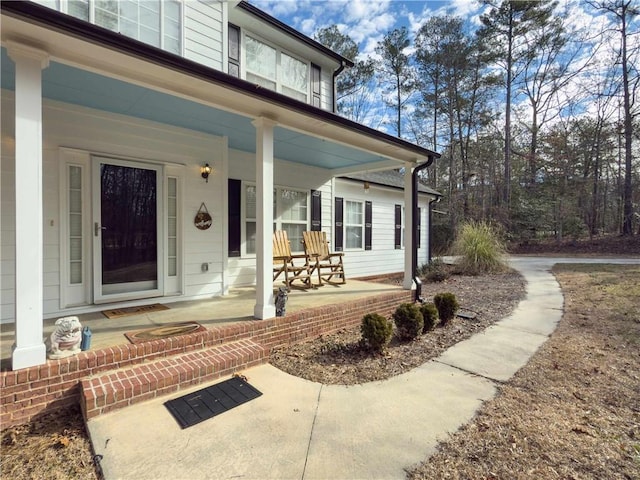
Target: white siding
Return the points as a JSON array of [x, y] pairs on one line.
[[182, 152], [383, 256], [204, 32], [7, 218]]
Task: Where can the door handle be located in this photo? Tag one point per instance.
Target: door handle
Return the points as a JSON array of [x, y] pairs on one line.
[[97, 228]]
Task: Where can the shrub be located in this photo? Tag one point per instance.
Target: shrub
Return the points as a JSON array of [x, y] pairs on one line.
[[436, 271], [480, 249], [408, 320], [429, 316], [447, 306], [376, 331]]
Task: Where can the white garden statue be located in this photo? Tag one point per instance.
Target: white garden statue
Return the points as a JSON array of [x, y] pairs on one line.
[[66, 338]]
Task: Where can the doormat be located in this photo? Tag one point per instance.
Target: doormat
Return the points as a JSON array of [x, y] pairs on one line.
[[164, 331], [123, 312], [196, 407]]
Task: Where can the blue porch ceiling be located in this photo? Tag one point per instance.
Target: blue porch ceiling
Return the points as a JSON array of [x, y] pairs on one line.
[[80, 87]]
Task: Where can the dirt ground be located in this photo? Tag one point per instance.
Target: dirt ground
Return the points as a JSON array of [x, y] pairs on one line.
[[572, 413]]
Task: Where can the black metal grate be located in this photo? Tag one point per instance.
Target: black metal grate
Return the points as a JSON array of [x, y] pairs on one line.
[[198, 406]]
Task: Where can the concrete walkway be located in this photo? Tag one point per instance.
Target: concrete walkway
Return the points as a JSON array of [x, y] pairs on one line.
[[303, 430]]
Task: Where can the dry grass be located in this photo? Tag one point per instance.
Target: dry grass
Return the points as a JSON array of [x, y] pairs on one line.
[[573, 412]]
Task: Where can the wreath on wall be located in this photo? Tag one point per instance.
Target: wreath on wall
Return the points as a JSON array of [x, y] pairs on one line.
[[203, 219]]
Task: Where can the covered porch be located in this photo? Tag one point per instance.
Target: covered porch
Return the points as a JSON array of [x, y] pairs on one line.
[[236, 308], [77, 98]]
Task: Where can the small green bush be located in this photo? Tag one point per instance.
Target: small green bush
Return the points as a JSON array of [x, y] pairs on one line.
[[479, 248], [376, 331], [429, 316], [447, 306], [408, 320]]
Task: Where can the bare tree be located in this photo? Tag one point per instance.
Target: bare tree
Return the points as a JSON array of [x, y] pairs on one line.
[[623, 12]]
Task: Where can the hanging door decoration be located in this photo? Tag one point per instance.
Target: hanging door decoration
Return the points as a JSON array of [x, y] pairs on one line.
[[203, 220]]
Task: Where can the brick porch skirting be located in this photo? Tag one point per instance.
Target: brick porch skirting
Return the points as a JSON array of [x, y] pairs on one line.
[[56, 385]]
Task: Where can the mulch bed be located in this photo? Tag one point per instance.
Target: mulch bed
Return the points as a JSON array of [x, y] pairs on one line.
[[339, 358]]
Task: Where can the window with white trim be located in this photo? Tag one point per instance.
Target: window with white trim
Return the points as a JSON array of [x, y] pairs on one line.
[[276, 70], [290, 213], [353, 224], [156, 22]]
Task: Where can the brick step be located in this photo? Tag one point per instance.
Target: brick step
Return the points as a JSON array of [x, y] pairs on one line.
[[114, 389]]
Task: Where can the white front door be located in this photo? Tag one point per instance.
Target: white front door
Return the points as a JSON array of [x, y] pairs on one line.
[[127, 230]]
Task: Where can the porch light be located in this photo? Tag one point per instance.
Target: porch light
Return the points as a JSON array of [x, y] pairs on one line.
[[366, 187], [205, 170]]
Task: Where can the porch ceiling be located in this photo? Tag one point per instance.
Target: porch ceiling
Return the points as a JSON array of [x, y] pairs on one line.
[[72, 85]]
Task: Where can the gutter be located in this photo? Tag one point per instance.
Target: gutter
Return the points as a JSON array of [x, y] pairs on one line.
[[414, 227]]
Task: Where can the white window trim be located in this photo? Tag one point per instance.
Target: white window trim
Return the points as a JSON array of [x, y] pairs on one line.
[[345, 224], [243, 62]]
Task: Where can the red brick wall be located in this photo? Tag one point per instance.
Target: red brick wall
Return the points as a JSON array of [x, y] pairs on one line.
[[28, 392]]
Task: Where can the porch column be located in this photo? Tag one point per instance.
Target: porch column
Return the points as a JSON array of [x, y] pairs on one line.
[[265, 307], [408, 222], [29, 348]]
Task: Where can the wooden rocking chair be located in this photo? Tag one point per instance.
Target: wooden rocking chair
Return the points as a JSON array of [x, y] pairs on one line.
[[283, 263], [327, 264]]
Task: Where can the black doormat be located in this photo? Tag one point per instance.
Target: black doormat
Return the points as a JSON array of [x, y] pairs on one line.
[[196, 407]]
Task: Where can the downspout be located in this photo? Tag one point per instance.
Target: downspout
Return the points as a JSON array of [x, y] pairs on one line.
[[414, 226], [335, 90]]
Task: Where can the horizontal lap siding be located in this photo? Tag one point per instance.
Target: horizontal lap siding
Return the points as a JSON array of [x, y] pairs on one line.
[[383, 257], [203, 33], [119, 137], [8, 229]]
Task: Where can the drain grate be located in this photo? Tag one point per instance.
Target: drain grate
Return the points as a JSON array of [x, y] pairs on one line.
[[196, 407]]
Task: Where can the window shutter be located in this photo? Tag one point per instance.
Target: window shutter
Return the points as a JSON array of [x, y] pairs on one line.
[[316, 85], [316, 210], [234, 51], [368, 228], [398, 227], [235, 218], [338, 230], [419, 225]]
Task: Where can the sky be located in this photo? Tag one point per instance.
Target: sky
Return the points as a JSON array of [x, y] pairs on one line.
[[365, 21]]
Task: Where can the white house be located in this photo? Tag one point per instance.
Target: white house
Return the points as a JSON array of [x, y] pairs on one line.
[[113, 113]]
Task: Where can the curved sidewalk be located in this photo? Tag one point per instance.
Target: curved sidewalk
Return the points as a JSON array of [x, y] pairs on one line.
[[303, 430]]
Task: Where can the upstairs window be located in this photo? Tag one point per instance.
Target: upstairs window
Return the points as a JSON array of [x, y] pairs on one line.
[[276, 70], [156, 22]]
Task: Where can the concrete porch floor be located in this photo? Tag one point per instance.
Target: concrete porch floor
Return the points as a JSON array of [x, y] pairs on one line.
[[235, 307]]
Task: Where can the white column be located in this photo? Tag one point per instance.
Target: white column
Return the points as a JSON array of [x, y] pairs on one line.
[[408, 233], [29, 349], [265, 307]]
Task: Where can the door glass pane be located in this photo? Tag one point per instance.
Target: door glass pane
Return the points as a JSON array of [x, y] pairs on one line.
[[129, 224], [75, 225]]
